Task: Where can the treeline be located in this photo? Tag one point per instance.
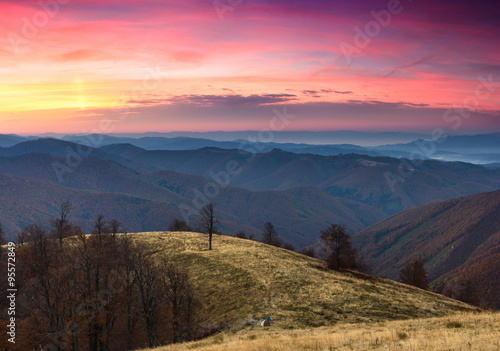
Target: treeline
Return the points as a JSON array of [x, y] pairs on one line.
[[97, 292]]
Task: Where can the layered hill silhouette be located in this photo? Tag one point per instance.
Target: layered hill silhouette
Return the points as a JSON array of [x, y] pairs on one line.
[[460, 238], [102, 186], [7, 140], [72, 152], [300, 193], [389, 184], [24, 201], [190, 143], [480, 149]]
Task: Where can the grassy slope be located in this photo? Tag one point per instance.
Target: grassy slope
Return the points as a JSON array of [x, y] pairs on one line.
[[465, 331], [242, 279]]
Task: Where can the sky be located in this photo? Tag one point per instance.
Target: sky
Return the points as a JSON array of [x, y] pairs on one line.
[[79, 66]]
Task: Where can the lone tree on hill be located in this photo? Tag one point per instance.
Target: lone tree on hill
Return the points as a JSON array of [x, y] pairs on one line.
[[207, 221], [338, 241], [270, 236], [414, 273]]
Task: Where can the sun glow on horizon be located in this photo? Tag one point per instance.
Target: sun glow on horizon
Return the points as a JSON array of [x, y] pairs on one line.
[[169, 62]]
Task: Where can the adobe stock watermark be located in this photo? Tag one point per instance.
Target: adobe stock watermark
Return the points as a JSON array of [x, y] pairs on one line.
[[94, 137], [31, 26], [364, 35], [11, 292], [223, 6], [222, 178], [454, 116]]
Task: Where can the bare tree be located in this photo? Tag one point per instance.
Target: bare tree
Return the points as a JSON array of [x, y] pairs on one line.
[[208, 221], [270, 235], [130, 252], [180, 298], [100, 227], [148, 282], [99, 259], [288, 246], [338, 241], [45, 289], [241, 234], [414, 273], [179, 225], [467, 291], [93, 292], [462, 289], [114, 226], [61, 225], [21, 237]]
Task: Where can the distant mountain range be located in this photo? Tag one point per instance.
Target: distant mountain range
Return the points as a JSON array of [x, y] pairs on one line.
[[355, 177], [479, 149], [459, 238], [150, 201], [300, 137], [185, 143], [7, 140], [300, 193]]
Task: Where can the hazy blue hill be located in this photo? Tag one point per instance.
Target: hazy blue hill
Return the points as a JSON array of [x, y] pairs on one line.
[[91, 174], [354, 177], [482, 148], [27, 200], [299, 214], [197, 162], [7, 140], [187, 143], [71, 151], [350, 189], [335, 137]]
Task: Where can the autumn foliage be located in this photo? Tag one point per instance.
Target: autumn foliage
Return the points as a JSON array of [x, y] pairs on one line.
[[414, 273], [341, 253], [99, 292]]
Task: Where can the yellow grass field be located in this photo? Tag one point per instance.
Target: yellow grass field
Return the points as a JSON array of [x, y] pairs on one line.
[[480, 331], [313, 308]]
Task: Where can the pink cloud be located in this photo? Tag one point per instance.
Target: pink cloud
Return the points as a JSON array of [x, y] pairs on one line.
[[435, 51]]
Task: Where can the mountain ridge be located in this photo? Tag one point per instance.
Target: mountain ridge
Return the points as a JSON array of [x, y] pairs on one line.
[[458, 237]]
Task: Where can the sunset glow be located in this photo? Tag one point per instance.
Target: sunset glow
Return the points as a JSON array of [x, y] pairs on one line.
[[208, 65]]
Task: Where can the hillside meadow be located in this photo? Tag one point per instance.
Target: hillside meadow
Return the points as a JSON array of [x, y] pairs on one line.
[[240, 280]]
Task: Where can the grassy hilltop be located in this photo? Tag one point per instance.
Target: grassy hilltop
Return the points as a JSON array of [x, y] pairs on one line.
[[242, 279]]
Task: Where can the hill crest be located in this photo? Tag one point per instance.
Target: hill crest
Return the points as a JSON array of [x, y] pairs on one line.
[[255, 280]]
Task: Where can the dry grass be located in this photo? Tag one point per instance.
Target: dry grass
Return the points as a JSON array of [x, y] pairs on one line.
[[242, 279], [465, 331]]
